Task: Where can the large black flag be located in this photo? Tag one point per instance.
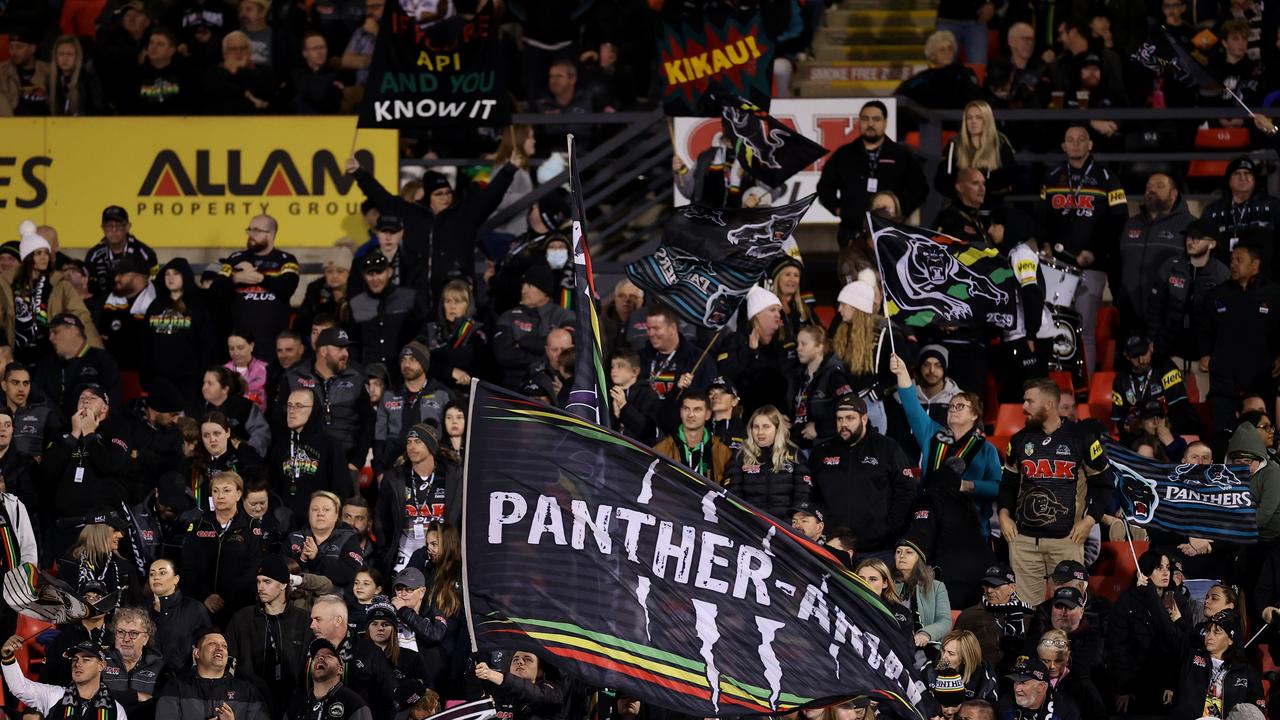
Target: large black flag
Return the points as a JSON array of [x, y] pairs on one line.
[[1205, 501], [769, 150], [629, 571], [427, 72], [1161, 51], [710, 257], [589, 395], [935, 279]]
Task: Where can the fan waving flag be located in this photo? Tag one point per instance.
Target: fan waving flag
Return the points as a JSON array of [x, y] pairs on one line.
[[1161, 51], [1205, 501], [588, 397], [769, 150], [935, 279], [710, 257], [625, 570]]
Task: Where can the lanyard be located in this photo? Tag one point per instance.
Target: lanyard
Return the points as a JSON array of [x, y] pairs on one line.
[[1076, 185]]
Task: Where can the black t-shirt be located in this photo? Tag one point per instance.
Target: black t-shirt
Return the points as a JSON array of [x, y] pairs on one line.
[[1045, 486]]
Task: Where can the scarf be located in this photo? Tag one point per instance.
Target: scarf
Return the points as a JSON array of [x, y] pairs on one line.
[[98, 707], [9, 553], [696, 456], [463, 333], [944, 445], [727, 192]]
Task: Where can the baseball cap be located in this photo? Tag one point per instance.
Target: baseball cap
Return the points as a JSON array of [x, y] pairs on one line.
[[808, 508], [1068, 596], [1029, 668], [1137, 345], [722, 383], [115, 213], [374, 262], [389, 223], [319, 644], [86, 647], [66, 318], [851, 401], [131, 263], [96, 389], [115, 521], [335, 336], [410, 578], [1067, 571], [997, 575], [1151, 409]]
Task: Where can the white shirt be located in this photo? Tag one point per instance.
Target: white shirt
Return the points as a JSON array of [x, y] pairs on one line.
[[38, 695]]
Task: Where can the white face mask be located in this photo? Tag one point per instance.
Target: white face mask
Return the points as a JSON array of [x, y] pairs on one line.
[[557, 259]]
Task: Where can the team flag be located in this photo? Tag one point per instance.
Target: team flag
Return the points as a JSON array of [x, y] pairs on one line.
[[770, 151], [589, 395], [1161, 52], [626, 570], [714, 50], [710, 257], [1205, 501], [431, 72], [38, 594], [935, 279]]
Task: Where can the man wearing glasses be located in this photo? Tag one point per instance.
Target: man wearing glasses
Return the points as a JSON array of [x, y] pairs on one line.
[[117, 242], [258, 283], [134, 668]]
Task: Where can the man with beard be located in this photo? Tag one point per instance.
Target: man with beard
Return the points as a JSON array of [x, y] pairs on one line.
[[1033, 698], [36, 422], [75, 363], [116, 243], [268, 639], [123, 315], [302, 458], [868, 165], [418, 399], [257, 283], [384, 315], [1150, 380], [328, 697], [1180, 285], [1149, 239], [934, 389], [346, 412], [862, 479], [208, 691], [1055, 487], [364, 667], [87, 695], [150, 429]]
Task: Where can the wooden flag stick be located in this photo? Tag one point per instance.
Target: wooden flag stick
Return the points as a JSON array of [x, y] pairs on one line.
[[703, 356]]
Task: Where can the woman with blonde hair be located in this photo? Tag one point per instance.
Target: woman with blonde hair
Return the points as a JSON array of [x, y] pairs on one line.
[[982, 146], [767, 473], [961, 652], [876, 575], [75, 89], [457, 340], [517, 144], [859, 337], [1054, 650], [95, 559]]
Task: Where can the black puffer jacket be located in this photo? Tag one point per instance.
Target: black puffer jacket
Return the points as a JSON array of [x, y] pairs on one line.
[[774, 491], [1143, 642]]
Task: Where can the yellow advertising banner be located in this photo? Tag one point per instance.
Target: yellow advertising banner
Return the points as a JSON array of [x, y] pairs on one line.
[[189, 182]]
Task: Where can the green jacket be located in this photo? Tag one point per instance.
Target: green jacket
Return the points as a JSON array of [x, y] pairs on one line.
[[1264, 485]]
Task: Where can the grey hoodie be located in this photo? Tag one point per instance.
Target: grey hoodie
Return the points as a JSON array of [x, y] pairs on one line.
[[1264, 484]]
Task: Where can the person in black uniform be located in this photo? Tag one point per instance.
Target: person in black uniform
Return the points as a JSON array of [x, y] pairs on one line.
[[257, 284], [1056, 486], [1148, 379], [219, 548]]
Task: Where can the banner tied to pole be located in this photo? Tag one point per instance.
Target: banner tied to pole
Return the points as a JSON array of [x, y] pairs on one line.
[[935, 279], [628, 571], [435, 72], [1205, 501], [714, 51]]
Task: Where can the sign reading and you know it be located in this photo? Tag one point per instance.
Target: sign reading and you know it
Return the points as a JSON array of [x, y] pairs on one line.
[[188, 182]]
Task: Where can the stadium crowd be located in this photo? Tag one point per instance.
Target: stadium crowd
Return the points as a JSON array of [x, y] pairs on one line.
[[260, 500]]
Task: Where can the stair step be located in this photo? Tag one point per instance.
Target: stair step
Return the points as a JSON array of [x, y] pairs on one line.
[[892, 35], [877, 18], [884, 53], [872, 88], [859, 71]]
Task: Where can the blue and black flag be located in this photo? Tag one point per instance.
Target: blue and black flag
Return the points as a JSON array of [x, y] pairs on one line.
[[1205, 501]]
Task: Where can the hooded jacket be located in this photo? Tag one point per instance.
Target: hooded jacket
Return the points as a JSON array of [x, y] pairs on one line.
[[389, 513], [216, 561], [866, 486], [304, 461], [350, 418], [187, 696], [63, 297], [1145, 245], [247, 640], [177, 344], [1240, 684], [1264, 485]]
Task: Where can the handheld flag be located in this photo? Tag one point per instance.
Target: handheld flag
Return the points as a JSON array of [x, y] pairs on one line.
[[628, 571], [1206, 501], [1161, 52], [769, 150], [716, 50], [38, 594], [710, 257], [589, 396], [429, 72], [935, 279]]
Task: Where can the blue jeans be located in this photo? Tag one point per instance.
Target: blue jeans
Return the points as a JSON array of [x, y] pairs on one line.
[[971, 38]]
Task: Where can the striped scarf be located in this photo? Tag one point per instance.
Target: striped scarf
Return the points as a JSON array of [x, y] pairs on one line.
[[8, 540], [463, 333], [99, 707], [944, 445]]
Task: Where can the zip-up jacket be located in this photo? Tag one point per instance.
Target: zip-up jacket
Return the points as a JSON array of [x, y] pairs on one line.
[[302, 462], [1175, 301], [257, 640], [338, 558], [398, 411], [1237, 329], [520, 338], [774, 491], [188, 696], [1145, 245], [866, 486], [340, 703], [384, 323], [814, 399], [100, 262], [344, 407], [223, 562], [177, 622], [393, 504]]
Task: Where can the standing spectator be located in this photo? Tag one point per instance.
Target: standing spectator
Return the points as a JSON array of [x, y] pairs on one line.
[[1237, 69], [163, 83], [135, 669], [767, 471], [516, 137], [75, 88], [258, 283], [1148, 625], [348, 414], [209, 689], [1181, 286], [201, 25], [693, 444], [1244, 212], [862, 479], [303, 460], [76, 700], [1150, 380], [1076, 39], [819, 381], [634, 405], [329, 294], [1056, 486], [177, 617], [562, 97], [178, 332], [963, 217], [314, 88], [215, 453], [458, 343], [1218, 678], [759, 357], [967, 20], [16, 522], [24, 80], [979, 145], [117, 241], [123, 315], [31, 295], [717, 179], [385, 315], [269, 639], [118, 47], [872, 163], [269, 47], [252, 370], [1150, 238], [520, 337], [1237, 335], [219, 547], [223, 391], [406, 264], [669, 359], [946, 83], [424, 489], [1080, 202]]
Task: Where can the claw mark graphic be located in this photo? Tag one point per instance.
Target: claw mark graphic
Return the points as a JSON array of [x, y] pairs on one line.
[[705, 619], [772, 668], [642, 595], [768, 538], [709, 506], [834, 651], [646, 484]]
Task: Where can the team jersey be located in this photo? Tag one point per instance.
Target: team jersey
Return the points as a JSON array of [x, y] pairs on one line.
[[1052, 480]]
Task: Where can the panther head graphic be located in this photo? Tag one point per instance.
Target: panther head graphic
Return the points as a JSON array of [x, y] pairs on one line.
[[1039, 508], [1138, 495], [1211, 476], [927, 271], [933, 263]]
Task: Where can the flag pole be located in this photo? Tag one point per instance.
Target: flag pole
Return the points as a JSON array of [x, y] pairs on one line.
[[703, 356], [1129, 539], [355, 133], [1257, 635], [1239, 101], [884, 296]]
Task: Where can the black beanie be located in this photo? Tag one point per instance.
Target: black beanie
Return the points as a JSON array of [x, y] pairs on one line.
[[539, 276]]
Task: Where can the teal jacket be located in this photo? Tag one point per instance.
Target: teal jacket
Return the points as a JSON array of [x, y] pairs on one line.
[[934, 610], [983, 471]]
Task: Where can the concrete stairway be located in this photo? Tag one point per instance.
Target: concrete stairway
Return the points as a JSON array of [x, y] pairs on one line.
[[867, 47]]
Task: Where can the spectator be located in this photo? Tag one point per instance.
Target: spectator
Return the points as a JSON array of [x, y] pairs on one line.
[[726, 414], [328, 295], [121, 319], [163, 83], [15, 517], [364, 667], [134, 668], [1218, 678], [219, 547], [268, 639], [1000, 621], [348, 414], [117, 242], [407, 266], [873, 163], [759, 357], [1022, 67], [819, 381], [797, 305], [190, 693], [302, 460], [75, 88], [524, 685], [1182, 284], [1237, 68], [87, 471], [521, 333], [963, 217], [693, 444], [979, 145], [258, 283], [324, 546], [36, 422], [223, 391], [960, 652], [215, 454], [1076, 37], [96, 558], [1245, 212], [252, 370], [861, 479], [946, 83], [238, 85], [623, 317], [417, 399], [178, 332], [859, 341], [31, 295], [161, 519], [326, 695], [1033, 696], [384, 316], [767, 472], [1147, 625], [634, 405], [807, 520], [119, 45], [1054, 650], [25, 82], [359, 51], [915, 583], [718, 177], [177, 618], [357, 516], [1149, 239], [84, 692], [1146, 380], [314, 89], [875, 573]]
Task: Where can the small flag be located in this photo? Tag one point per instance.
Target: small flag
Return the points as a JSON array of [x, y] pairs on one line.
[[769, 150], [1161, 52], [588, 398]]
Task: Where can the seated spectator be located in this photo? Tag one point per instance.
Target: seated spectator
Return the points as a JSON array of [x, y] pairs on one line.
[[1218, 678], [960, 652], [767, 472], [1021, 69], [314, 89], [217, 453], [1150, 379], [807, 520], [75, 88], [634, 405], [209, 679], [524, 685], [25, 81], [876, 575], [163, 83], [915, 583], [252, 370], [1033, 696], [1238, 72], [982, 146], [947, 83], [135, 669], [224, 391], [1000, 621], [35, 283], [238, 85], [359, 51], [96, 557], [563, 97], [120, 43], [268, 639], [1054, 650]]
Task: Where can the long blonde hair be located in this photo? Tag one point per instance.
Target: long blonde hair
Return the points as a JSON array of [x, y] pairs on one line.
[[855, 343], [513, 139], [982, 152], [784, 451], [94, 544], [73, 99], [969, 650], [890, 594]]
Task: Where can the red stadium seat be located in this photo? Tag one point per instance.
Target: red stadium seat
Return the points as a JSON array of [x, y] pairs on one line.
[[825, 314], [130, 385], [1001, 442], [1207, 169], [1100, 387], [912, 140], [978, 69], [1009, 419], [1115, 567], [1107, 355], [1063, 379], [1193, 390], [1222, 138]]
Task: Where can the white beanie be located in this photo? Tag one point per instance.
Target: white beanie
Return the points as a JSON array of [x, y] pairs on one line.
[[859, 294], [759, 300], [31, 242]]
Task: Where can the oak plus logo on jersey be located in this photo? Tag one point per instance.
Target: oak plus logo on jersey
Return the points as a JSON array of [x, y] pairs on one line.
[[209, 183]]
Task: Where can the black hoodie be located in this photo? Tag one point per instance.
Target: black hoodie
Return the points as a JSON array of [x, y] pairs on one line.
[[178, 342], [300, 463]]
